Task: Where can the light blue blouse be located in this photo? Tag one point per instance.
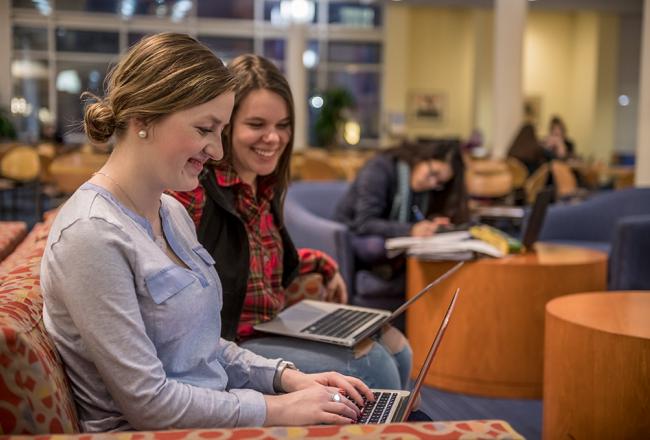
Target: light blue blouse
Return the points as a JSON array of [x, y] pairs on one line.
[[139, 335]]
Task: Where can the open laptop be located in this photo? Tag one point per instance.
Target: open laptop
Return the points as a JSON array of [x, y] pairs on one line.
[[396, 405], [536, 219], [339, 324]]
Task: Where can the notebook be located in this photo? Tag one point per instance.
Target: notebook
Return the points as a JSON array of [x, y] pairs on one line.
[[339, 324], [396, 405]]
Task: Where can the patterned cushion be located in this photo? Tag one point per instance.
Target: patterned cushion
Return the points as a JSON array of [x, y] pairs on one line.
[[465, 430], [11, 233], [32, 245], [34, 394], [309, 286]]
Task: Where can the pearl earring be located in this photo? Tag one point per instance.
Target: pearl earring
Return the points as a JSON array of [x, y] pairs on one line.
[[142, 134]]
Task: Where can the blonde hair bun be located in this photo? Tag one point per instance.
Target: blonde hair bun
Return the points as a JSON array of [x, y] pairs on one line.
[[99, 121]]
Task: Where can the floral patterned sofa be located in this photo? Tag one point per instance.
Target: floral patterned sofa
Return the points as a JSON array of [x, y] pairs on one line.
[[35, 398]]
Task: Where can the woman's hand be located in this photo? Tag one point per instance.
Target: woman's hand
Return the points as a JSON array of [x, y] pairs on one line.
[[336, 290], [426, 228], [293, 380], [310, 406]]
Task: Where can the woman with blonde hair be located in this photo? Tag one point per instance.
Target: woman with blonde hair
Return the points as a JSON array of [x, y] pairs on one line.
[[132, 300]]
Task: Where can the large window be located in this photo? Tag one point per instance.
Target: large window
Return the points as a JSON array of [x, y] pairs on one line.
[[65, 47]]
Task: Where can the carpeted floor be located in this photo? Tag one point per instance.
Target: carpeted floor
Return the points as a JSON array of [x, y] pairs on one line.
[[525, 416]]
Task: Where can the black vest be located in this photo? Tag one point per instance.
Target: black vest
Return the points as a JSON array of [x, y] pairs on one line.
[[223, 234]]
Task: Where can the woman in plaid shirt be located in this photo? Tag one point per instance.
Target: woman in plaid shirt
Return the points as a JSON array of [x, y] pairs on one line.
[[237, 209]]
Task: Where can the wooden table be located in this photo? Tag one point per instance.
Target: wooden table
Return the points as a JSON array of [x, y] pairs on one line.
[[597, 366], [494, 343]]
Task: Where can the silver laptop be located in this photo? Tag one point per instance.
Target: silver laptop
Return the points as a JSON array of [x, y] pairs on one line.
[[339, 324], [396, 405]]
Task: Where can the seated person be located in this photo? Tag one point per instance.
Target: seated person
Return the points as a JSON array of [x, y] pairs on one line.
[[410, 190], [131, 299], [557, 144], [237, 209], [527, 148]]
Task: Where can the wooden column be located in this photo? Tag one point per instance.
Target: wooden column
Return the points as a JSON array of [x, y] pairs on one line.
[[642, 172]]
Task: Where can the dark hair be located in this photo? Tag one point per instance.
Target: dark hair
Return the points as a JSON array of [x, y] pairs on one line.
[[452, 199], [254, 72], [159, 75], [556, 120], [526, 148]]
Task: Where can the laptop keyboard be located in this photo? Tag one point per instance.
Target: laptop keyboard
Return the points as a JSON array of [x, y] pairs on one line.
[[377, 411], [341, 323]]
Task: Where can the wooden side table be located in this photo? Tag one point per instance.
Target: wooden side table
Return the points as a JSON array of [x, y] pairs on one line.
[[495, 341], [597, 366]]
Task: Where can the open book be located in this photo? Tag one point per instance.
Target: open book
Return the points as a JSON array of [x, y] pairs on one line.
[[442, 246]]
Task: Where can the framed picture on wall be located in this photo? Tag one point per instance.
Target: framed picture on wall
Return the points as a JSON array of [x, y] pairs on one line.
[[426, 106], [533, 110]]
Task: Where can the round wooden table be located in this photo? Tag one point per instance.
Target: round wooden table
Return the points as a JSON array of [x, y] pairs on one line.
[[597, 366], [495, 341]]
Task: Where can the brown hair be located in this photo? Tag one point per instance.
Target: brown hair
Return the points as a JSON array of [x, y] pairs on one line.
[[161, 74], [254, 72], [452, 199]]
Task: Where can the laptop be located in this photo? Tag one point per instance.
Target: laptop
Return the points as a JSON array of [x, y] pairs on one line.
[[396, 405], [339, 324], [536, 218]]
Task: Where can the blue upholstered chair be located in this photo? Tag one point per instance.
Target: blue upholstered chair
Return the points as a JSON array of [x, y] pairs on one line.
[[309, 210], [628, 260], [308, 214], [592, 223], [617, 222]]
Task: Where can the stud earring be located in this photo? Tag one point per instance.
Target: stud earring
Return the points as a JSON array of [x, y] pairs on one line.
[[142, 134]]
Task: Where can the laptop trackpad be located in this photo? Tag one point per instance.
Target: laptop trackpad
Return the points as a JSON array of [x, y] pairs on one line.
[[298, 317]]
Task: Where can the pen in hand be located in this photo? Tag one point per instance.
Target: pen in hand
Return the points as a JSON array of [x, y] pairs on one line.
[[417, 213]]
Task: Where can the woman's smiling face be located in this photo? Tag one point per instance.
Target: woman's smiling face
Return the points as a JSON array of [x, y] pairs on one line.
[[260, 133]]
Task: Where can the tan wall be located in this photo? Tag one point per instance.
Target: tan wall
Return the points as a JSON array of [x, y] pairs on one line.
[[569, 64]]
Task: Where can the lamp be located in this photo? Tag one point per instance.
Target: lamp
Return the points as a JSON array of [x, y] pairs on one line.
[[297, 11]]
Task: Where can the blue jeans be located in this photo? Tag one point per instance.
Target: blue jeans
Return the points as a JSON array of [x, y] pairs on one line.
[[377, 368]]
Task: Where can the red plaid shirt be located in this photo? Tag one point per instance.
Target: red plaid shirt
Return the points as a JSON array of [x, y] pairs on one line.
[[264, 292]]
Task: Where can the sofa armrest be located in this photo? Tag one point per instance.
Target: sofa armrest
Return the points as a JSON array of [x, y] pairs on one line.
[[630, 248], [311, 231]]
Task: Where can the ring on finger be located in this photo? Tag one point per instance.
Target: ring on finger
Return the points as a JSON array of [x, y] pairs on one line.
[[336, 397]]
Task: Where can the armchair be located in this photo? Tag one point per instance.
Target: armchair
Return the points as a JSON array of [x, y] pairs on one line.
[[592, 223], [630, 248], [308, 213]]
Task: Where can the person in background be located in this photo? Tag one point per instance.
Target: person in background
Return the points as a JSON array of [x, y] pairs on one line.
[[409, 190], [557, 144], [131, 298], [527, 149], [237, 210]]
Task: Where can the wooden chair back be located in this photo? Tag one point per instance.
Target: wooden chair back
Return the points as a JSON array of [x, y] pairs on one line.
[[565, 181], [488, 179], [21, 164], [536, 182], [317, 168], [518, 171]]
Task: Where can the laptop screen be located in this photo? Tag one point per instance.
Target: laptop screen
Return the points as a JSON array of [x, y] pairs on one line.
[[536, 219], [432, 351]]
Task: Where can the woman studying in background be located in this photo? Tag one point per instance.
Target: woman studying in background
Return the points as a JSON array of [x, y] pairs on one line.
[[132, 300], [410, 190], [237, 210]]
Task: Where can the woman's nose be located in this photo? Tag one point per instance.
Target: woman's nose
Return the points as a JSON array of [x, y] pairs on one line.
[[214, 150], [272, 136]]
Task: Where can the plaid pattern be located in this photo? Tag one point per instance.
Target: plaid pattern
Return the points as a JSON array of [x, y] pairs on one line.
[[265, 296]]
